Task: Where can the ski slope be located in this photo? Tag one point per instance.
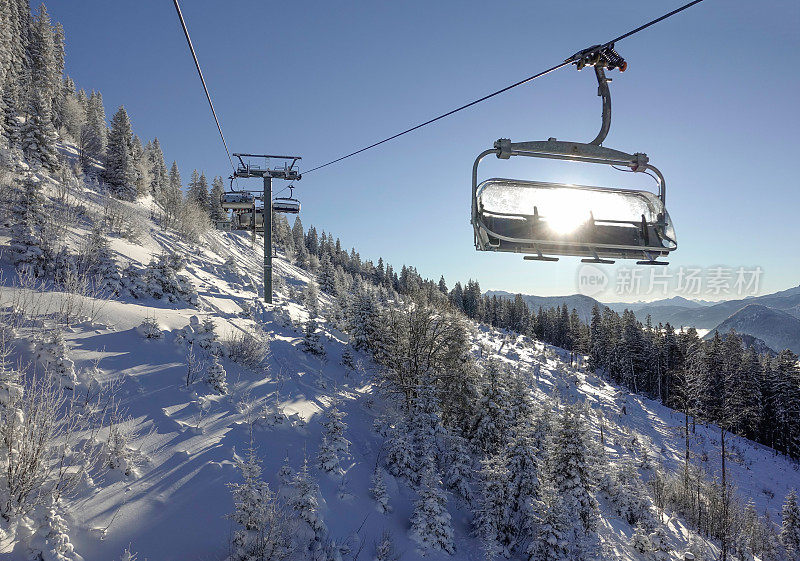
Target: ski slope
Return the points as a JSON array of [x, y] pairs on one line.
[[173, 504]]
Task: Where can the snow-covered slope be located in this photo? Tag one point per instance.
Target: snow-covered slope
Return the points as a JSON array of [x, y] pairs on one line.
[[173, 503]]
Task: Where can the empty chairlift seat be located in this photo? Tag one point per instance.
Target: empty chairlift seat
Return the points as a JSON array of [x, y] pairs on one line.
[[244, 219], [562, 219], [286, 205], [237, 201]]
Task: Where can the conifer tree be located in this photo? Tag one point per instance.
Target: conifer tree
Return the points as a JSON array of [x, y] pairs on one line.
[[334, 445], [553, 540], [9, 119], [262, 532], [171, 197], [215, 198], [491, 516], [378, 491], [61, 90], [347, 358], [44, 72], [311, 298], [28, 246], [428, 433], [327, 276], [141, 168], [363, 323], [285, 474], [38, 135], [629, 495], [120, 173], [198, 190], [216, 376], [400, 460], [297, 233], [492, 418], [311, 341], [430, 523], [94, 134], [458, 466], [384, 548], [159, 176], [305, 504], [790, 526], [640, 541], [572, 472], [522, 487]]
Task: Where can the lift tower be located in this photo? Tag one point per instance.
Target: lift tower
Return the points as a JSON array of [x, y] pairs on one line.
[[287, 173]]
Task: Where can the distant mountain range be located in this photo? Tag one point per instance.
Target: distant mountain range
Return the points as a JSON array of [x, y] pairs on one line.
[[773, 319], [777, 329]]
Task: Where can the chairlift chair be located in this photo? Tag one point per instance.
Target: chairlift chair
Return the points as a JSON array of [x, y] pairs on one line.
[[542, 219], [286, 205], [244, 219], [237, 200]]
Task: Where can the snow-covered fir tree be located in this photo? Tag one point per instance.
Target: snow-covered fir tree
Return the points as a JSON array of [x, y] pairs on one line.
[[790, 526], [364, 320], [458, 466], [215, 198], [305, 504], [378, 491], [427, 431], [159, 175], [640, 541], [198, 190], [347, 358], [385, 549], [573, 471], [52, 354], [38, 134], [311, 299], [262, 533], [327, 276], [29, 248], [491, 513], [119, 172], [285, 473], [553, 540], [400, 460], [311, 339], [492, 418], [334, 445], [45, 68], [216, 376], [141, 168], [10, 119], [98, 263], [629, 495], [430, 523], [94, 133], [522, 487], [660, 543], [51, 542]]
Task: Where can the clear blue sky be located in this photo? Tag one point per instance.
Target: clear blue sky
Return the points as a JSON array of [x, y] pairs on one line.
[[711, 95]]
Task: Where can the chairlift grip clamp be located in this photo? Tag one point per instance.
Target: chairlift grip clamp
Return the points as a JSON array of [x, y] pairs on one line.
[[503, 147], [603, 56]]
